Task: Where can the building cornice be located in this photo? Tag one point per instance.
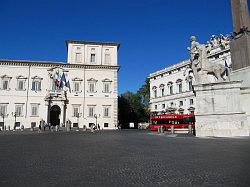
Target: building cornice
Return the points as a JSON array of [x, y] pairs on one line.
[[92, 43], [170, 68], [54, 64]]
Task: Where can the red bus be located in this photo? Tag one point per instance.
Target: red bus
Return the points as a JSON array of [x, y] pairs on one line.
[[167, 120]]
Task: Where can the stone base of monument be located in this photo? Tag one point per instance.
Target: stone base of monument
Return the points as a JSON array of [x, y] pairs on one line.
[[219, 111]]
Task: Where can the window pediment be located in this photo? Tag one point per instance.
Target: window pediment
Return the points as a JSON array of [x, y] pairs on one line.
[[162, 85], [181, 109], [92, 80], [170, 83], [189, 78], [6, 77], [37, 77], [154, 88], [106, 80], [77, 79], [178, 81], [21, 77], [191, 108]]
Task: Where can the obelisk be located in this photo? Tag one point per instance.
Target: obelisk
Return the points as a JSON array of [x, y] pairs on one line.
[[240, 46]]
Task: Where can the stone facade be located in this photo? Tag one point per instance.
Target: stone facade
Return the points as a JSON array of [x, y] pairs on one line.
[[29, 95], [170, 91], [219, 110]]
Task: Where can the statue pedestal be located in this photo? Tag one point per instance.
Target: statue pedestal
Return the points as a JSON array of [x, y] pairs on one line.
[[218, 110]]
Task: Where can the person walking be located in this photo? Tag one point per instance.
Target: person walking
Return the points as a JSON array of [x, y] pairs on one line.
[[39, 128]]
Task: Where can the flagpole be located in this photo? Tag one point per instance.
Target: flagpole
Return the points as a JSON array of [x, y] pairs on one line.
[[65, 108]]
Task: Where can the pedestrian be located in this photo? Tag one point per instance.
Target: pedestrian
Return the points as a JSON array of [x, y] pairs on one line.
[[39, 128], [98, 126]]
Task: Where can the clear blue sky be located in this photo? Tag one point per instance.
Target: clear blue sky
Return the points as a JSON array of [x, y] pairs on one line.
[[153, 33]]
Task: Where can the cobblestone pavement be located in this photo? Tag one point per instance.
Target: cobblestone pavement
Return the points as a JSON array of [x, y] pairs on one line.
[[122, 158]]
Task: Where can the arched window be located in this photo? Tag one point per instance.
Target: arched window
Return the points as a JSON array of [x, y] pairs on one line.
[[190, 83], [154, 91], [179, 85], [162, 88], [170, 88]]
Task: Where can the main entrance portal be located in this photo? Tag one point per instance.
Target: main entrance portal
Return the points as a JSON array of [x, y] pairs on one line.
[[55, 112]]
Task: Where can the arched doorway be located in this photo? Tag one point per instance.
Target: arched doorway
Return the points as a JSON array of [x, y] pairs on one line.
[[55, 112]]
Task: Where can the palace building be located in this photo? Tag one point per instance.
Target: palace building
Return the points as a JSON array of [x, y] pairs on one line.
[[83, 91], [171, 89]]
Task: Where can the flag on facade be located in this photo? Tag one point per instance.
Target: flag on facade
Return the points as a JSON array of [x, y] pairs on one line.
[[64, 82], [57, 78]]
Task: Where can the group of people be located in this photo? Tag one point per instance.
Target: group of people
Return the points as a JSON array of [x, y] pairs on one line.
[[43, 125], [94, 127]]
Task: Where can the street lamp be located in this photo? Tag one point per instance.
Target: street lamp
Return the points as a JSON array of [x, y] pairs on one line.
[[78, 116], [96, 116], [14, 114]]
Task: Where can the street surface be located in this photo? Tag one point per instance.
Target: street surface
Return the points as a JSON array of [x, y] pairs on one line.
[[122, 158]]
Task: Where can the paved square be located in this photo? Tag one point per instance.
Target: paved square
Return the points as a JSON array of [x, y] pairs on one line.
[[121, 158]]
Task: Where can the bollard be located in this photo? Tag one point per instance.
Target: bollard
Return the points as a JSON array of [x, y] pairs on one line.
[[67, 127], [42, 127], [189, 129], [92, 128], [172, 129], [159, 129]]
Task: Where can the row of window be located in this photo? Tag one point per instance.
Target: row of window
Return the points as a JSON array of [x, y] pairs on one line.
[[36, 85], [92, 111], [163, 106], [93, 59], [19, 110], [35, 110], [170, 89]]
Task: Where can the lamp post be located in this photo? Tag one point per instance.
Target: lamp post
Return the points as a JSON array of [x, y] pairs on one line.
[[78, 116], [95, 116], [14, 114]]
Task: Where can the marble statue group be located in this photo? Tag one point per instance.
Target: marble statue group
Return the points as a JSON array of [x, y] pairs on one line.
[[200, 66]]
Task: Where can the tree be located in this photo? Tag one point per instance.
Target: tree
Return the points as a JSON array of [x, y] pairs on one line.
[[144, 93], [134, 107]]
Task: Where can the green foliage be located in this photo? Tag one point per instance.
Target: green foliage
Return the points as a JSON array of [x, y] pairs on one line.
[[133, 107]]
